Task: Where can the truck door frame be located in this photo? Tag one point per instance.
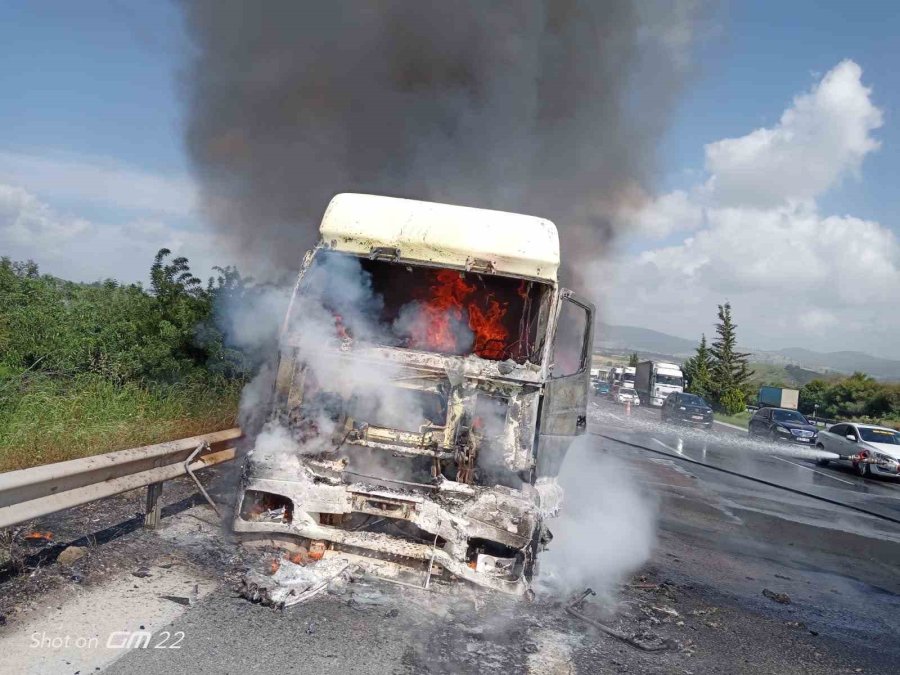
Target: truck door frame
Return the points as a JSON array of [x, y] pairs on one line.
[[564, 402]]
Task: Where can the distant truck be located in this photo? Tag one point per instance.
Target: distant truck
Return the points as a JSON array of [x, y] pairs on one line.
[[620, 378], [614, 376], [778, 397], [654, 380]]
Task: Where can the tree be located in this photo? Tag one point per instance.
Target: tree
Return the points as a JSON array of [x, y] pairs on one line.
[[813, 396], [633, 360], [730, 369], [851, 396], [698, 371], [886, 402]]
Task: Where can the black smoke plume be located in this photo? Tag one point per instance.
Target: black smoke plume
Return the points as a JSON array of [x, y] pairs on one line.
[[552, 108]]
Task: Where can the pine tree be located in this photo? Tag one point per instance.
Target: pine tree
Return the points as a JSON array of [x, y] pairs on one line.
[[698, 371], [633, 360], [730, 369]]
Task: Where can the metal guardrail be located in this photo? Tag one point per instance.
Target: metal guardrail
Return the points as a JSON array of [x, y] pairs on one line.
[[31, 493]]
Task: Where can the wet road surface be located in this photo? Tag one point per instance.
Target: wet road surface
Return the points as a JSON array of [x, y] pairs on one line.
[[727, 448]]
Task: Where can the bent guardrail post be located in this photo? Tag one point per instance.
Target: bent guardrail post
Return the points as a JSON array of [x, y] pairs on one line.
[[187, 468]]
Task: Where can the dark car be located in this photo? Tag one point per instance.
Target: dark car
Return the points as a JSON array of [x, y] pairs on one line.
[[686, 409], [782, 424], [601, 387]]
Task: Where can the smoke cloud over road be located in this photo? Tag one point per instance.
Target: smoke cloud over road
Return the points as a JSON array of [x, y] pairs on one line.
[[552, 108]]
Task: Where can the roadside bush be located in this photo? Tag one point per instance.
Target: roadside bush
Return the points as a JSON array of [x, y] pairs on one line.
[[88, 368], [50, 418], [732, 401], [856, 397]]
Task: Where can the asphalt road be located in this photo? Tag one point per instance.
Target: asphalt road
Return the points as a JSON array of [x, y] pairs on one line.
[[728, 448], [720, 541]]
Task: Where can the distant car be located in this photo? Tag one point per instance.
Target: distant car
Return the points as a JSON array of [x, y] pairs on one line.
[[867, 448], [623, 395], [783, 425], [601, 387], [686, 409]]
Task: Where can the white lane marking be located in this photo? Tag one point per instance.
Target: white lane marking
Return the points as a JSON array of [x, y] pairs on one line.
[[667, 447], [730, 426], [821, 473]]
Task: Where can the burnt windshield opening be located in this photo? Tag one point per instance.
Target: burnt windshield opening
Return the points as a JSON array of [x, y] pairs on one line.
[[434, 309]]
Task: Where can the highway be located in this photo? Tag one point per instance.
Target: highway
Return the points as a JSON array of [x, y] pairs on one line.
[[741, 577], [728, 448]]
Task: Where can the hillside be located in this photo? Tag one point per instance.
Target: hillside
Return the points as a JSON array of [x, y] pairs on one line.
[[845, 362], [611, 338], [791, 364]]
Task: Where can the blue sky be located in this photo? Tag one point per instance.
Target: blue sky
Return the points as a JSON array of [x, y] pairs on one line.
[[93, 78], [762, 55], [100, 79], [91, 119]]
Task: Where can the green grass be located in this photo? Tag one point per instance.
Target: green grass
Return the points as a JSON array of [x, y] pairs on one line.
[[741, 419], [47, 419]]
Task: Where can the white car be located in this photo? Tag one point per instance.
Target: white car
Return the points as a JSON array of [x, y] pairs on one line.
[[869, 449], [623, 395]]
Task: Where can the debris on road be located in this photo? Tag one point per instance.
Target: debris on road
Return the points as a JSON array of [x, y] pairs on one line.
[[186, 601], [178, 599], [781, 598], [316, 550], [39, 536], [70, 554], [644, 642], [290, 583], [300, 556], [141, 573], [166, 562]]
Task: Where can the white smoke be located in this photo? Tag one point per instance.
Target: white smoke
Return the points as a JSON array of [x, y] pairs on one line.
[[334, 312], [607, 526]]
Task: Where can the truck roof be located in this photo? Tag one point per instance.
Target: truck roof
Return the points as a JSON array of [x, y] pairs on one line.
[[456, 236], [662, 365]]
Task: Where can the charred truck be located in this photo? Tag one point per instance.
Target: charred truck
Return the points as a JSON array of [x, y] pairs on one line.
[[432, 376]]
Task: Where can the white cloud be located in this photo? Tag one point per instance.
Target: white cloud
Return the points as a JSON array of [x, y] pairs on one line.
[[81, 250], [793, 274], [824, 135], [663, 215], [98, 181]]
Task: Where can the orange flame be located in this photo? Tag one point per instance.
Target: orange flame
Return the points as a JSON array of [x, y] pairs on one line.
[[455, 302], [39, 536]]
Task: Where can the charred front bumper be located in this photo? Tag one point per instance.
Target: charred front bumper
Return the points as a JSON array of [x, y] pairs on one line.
[[486, 535]]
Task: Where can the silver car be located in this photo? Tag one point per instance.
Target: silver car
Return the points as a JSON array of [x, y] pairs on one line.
[[623, 396], [871, 450]]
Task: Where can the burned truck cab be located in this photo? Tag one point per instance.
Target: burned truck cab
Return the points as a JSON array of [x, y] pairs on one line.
[[432, 375]]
